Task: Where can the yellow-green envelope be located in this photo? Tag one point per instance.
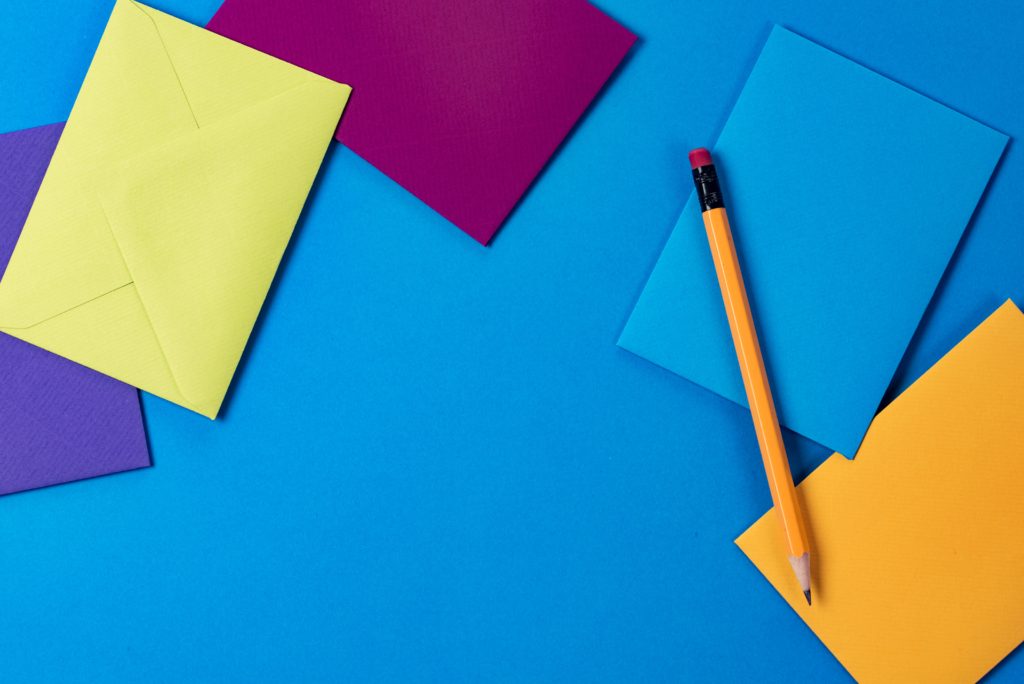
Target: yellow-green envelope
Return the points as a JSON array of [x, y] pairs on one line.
[[167, 206]]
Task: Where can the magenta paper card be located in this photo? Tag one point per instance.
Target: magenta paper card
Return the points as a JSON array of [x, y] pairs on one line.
[[58, 421], [462, 102]]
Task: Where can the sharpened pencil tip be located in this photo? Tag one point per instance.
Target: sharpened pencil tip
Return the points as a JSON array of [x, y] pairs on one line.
[[807, 595]]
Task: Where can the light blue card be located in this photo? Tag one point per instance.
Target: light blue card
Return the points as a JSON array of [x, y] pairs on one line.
[[847, 194]]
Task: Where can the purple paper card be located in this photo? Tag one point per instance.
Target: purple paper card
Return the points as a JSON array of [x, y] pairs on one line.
[[462, 102], [59, 421]]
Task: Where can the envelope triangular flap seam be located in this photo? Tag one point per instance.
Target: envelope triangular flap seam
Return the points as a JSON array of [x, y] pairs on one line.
[[160, 73], [201, 216], [213, 234], [129, 99], [203, 221], [218, 76]]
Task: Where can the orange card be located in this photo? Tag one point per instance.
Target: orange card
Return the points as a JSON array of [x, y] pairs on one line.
[[919, 565]]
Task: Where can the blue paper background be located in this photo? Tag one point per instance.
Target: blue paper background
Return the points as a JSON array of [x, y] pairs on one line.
[[436, 465]]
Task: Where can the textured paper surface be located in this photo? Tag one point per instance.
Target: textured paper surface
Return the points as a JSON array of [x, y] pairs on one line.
[[847, 194], [919, 541], [462, 103], [58, 421], [168, 204]]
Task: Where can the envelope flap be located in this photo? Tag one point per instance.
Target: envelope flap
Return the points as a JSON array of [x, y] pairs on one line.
[[217, 76], [130, 99], [203, 220]]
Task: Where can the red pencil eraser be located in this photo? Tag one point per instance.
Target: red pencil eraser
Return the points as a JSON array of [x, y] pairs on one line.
[[699, 157]]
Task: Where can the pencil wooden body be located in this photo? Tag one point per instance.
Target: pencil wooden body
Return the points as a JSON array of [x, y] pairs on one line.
[[755, 381]]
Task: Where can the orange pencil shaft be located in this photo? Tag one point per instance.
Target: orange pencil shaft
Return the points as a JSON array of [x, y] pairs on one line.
[[755, 380], [755, 377]]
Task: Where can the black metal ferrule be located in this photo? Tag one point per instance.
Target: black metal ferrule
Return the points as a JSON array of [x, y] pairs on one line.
[[705, 179]]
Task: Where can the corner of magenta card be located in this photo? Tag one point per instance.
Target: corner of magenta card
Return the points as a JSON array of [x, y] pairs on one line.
[[59, 421], [461, 102], [848, 194]]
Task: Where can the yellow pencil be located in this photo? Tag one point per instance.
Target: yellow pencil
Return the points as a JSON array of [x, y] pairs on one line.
[[755, 378]]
